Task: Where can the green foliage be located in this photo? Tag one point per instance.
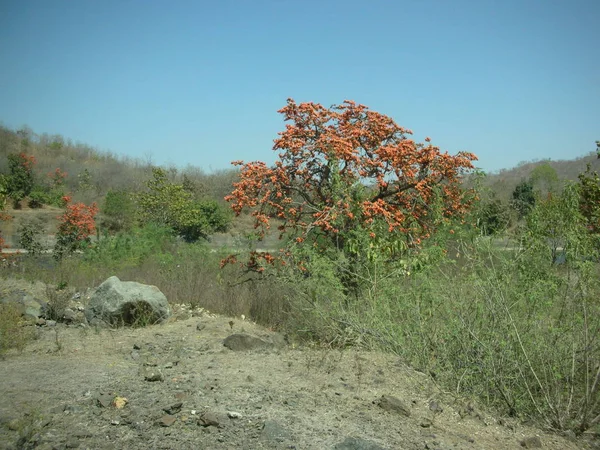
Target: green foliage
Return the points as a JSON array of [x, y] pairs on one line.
[[589, 203], [544, 179], [29, 238], [118, 210], [171, 204], [3, 190], [492, 216], [20, 178], [555, 225], [14, 332], [130, 248], [523, 198]]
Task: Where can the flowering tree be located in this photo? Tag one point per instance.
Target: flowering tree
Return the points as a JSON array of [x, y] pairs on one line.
[[348, 173], [76, 226], [57, 178]]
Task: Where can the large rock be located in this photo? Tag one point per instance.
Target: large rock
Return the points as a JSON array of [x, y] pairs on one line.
[[119, 302], [29, 306]]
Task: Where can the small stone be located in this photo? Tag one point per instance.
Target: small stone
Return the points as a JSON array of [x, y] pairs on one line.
[[272, 431], [531, 442], [40, 322], [351, 443], [69, 315], [234, 415], [174, 408], [105, 400], [72, 442], [50, 323], [167, 421], [426, 423], [393, 404], [435, 407], [209, 419], [137, 346], [200, 326], [82, 434], [153, 375]]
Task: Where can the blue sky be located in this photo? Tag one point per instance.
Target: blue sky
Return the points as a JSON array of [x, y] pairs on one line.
[[199, 82]]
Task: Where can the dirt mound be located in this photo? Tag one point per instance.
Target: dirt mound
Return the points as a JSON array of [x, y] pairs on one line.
[[177, 386]]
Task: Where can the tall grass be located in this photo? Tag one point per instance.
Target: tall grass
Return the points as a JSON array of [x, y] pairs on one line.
[[508, 328]]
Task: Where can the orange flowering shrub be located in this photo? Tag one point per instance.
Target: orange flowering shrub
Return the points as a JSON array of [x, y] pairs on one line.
[[348, 168], [76, 225], [57, 178]]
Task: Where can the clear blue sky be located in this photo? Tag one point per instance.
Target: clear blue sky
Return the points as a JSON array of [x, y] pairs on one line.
[[199, 82]]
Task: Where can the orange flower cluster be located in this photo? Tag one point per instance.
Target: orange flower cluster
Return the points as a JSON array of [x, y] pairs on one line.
[[27, 161], [57, 177], [78, 221], [348, 166]]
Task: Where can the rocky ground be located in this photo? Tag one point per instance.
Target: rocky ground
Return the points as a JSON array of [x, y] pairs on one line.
[[210, 382]]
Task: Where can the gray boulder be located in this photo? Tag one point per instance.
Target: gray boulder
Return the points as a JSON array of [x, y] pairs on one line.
[[30, 307], [119, 302]]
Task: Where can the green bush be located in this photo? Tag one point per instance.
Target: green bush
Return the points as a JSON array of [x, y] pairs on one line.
[[14, 332], [170, 204]]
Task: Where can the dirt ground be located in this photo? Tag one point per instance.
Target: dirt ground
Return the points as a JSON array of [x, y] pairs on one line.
[[176, 386]]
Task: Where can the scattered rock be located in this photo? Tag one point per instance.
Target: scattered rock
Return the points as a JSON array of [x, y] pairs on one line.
[[69, 315], [234, 415], [200, 326], [209, 419], [72, 442], [273, 431], [50, 323], [167, 421], [531, 442], [351, 443], [105, 400], [435, 407], [127, 303], [174, 408], [426, 423], [29, 306], [393, 404], [152, 374], [242, 342]]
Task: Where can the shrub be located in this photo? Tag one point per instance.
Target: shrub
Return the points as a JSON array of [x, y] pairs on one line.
[[14, 332], [76, 226], [29, 238]]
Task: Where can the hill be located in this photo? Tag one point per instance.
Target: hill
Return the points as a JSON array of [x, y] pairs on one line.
[[504, 181]]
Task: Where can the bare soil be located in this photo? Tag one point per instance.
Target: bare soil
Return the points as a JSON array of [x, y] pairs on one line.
[[67, 389]]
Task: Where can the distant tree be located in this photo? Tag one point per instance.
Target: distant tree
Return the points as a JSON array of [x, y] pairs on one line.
[[589, 198], [556, 224], [168, 203], [492, 216], [523, 198], [20, 178], [544, 179], [118, 210]]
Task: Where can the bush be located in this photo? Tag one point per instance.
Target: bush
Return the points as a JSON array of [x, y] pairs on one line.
[[29, 238], [37, 199], [508, 328], [14, 332]]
